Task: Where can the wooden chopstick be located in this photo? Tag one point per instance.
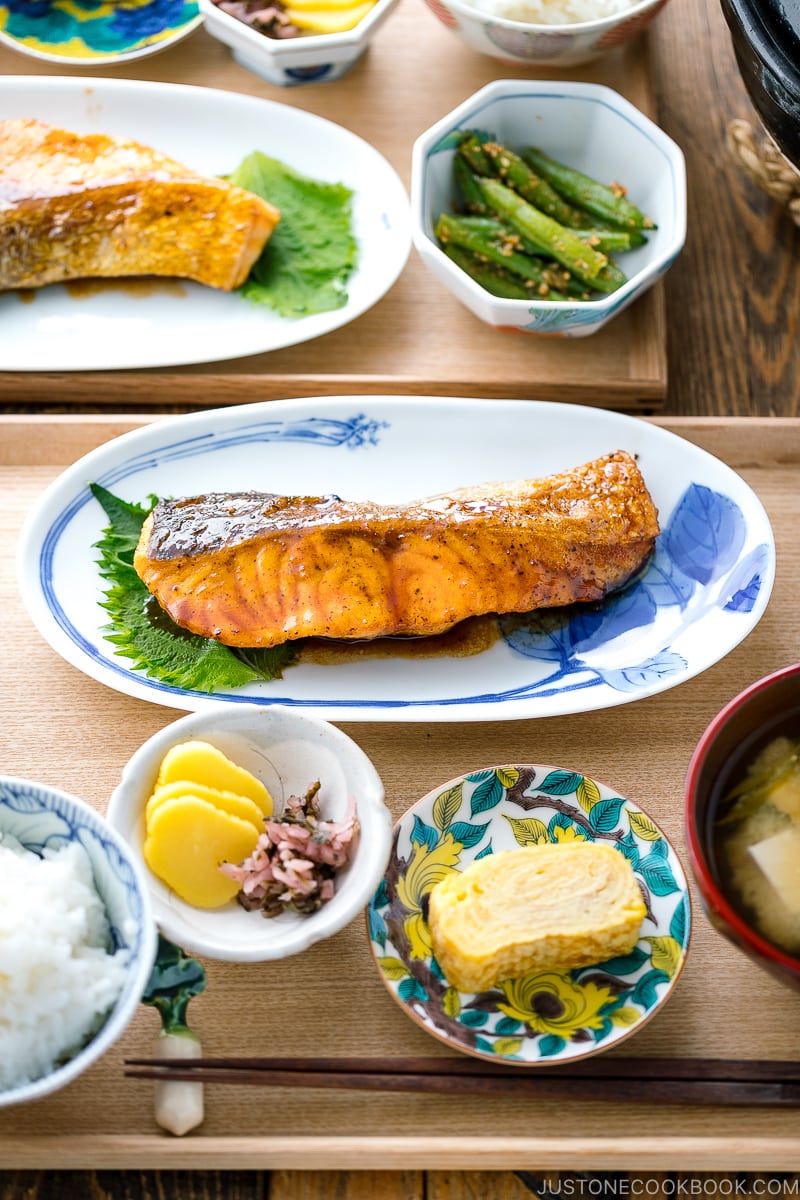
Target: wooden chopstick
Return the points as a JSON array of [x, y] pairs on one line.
[[604, 1067], [652, 1080]]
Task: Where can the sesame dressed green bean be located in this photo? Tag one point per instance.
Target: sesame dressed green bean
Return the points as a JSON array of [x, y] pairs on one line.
[[517, 174], [581, 259], [611, 241], [491, 241], [555, 275], [526, 232], [470, 148], [610, 203], [495, 279], [467, 186]]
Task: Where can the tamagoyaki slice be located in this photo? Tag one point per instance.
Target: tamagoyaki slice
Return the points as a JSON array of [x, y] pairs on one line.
[[187, 840], [229, 802], [200, 762], [548, 907]]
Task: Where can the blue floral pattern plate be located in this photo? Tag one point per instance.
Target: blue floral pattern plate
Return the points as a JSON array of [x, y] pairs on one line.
[[540, 1018], [95, 33], [703, 591]]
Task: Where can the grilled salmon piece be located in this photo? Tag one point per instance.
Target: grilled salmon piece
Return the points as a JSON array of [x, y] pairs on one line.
[[251, 570], [86, 206]]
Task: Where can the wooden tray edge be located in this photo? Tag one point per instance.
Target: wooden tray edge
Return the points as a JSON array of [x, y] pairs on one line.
[[28, 439], [652, 1153], [644, 391]]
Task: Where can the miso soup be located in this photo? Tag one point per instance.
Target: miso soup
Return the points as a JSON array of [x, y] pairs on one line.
[[757, 837]]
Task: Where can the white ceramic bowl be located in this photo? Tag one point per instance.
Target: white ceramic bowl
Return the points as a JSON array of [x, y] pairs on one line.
[[39, 816], [310, 58], [587, 126], [288, 752], [527, 44]]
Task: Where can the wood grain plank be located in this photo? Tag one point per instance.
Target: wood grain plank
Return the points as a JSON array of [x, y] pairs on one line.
[[347, 1185], [475, 1185], [134, 1185], [697, 1153], [733, 296]]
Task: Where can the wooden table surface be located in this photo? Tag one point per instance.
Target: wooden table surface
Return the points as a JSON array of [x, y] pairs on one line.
[[732, 301]]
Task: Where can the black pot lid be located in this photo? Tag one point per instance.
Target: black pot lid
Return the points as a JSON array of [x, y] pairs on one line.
[[772, 30]]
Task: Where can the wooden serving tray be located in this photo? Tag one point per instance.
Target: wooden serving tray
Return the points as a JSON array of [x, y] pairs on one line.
[[62, 728], [418, 339]]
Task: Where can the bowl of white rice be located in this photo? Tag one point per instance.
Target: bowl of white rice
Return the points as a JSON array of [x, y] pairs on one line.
[[77, 938], [549, 33]]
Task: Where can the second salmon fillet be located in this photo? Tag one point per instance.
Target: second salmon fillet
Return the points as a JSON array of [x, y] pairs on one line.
[[256, 570], [94, 206]]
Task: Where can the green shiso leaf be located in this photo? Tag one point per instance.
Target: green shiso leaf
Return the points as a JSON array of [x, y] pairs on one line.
[[309, 258], [141, 631]]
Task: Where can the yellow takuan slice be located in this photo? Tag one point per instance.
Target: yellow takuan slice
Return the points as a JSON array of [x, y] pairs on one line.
[[203, 763], [187, 840], [320, 20], [230, 802]]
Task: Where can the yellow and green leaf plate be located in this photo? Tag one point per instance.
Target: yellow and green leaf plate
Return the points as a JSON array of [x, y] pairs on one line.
[[94, 33], [540, 1018]]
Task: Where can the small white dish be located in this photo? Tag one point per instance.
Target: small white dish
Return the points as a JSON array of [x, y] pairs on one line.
[[288, 62], [42, 817], [542, 1018], [588, 127], [288, 751], [111, 325], [704, 591]]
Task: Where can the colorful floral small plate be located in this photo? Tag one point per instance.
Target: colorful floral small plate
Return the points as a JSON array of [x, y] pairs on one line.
[[540, 1018], [94, 33]]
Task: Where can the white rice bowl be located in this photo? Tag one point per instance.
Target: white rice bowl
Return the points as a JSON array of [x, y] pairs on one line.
[[77, 938], [553, 12], [58, 981], [548, 33]]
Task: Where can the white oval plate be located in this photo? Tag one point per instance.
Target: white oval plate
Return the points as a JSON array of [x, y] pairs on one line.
[[703, 592], [211, 131]]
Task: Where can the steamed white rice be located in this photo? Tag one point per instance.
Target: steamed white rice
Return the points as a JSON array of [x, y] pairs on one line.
[[552, 12], [57, 980]]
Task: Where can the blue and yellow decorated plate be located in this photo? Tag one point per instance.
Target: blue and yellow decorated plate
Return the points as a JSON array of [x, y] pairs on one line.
[[541, 1018], [94, 33]]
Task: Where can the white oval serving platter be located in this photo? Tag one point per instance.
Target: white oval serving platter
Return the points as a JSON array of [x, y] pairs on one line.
[[703, 591]]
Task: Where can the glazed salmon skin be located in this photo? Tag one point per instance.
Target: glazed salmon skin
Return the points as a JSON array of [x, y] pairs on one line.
[[255, 570], [93, 206]]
